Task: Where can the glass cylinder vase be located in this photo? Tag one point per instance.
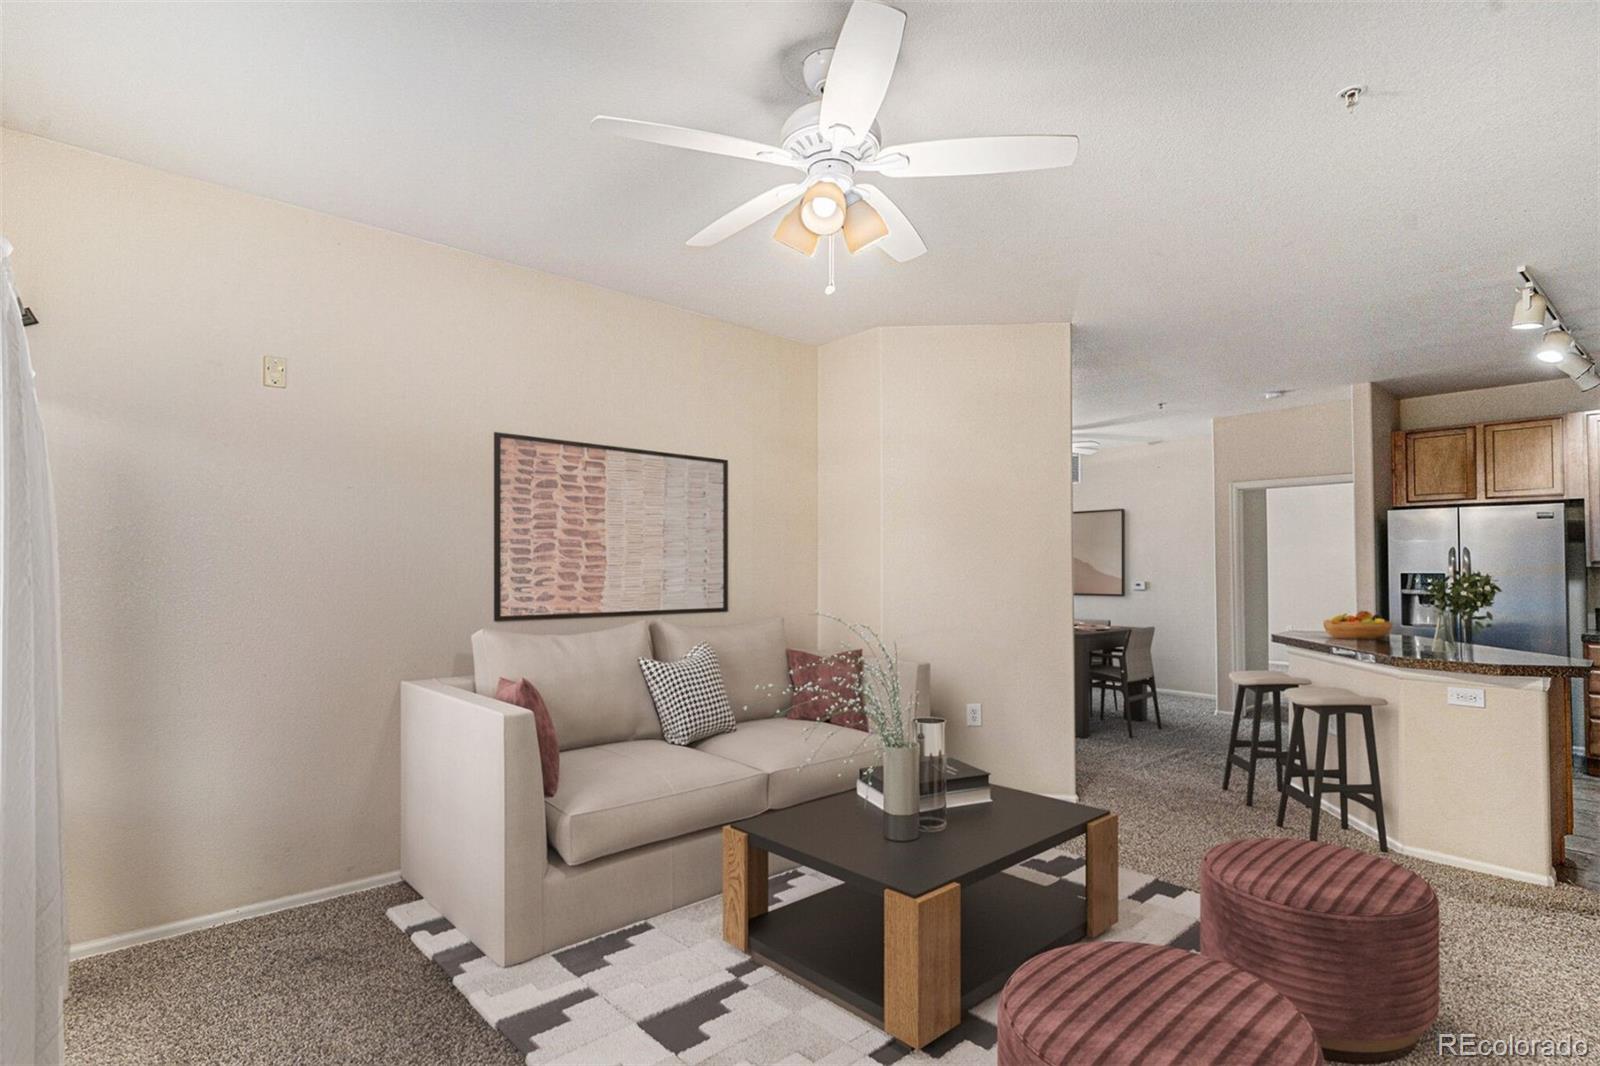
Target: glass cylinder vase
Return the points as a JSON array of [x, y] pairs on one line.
[[931, 783], [1444, 633], [900, 793]]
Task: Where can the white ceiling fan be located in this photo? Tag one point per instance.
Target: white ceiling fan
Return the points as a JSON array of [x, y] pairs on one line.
[[835, 139]]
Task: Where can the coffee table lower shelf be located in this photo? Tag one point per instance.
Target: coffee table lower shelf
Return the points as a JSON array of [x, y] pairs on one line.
[[833, 941]]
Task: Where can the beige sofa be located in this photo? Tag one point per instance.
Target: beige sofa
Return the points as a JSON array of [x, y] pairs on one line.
[[634, 829]]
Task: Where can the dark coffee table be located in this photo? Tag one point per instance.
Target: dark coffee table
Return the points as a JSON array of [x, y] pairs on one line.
[[918, 931]]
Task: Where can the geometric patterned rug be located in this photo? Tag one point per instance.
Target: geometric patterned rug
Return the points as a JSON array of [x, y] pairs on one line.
[[670, 990]]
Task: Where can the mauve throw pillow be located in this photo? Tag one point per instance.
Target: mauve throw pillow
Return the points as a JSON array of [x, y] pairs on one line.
[[523, 694], [827, 688]]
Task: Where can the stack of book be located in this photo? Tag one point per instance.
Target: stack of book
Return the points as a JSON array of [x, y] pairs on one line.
[[965, 785]]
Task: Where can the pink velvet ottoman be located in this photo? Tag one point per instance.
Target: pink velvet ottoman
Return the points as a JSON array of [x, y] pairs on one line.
[[1116, 1003], [1351, 938]]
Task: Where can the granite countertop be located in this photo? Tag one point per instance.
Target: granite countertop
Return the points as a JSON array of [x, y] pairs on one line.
[[1416, 653]]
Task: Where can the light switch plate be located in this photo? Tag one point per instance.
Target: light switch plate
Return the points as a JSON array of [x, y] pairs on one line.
[[974, 714], [1464, 697], [1140, 586], [274, 372]]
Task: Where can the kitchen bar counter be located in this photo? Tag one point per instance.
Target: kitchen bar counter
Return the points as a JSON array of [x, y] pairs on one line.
[[1474, 746], [1416, 653]]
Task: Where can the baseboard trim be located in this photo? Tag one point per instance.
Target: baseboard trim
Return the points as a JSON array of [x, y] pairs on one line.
[[1070, 797], [1475, 865], [105, 944], [1186, 692]]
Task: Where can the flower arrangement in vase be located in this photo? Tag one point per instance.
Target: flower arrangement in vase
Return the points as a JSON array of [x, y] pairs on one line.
[[878, 698], [1463, 599]]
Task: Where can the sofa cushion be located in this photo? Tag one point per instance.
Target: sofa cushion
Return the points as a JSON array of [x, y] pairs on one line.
[[753, 657], [618, 796], [802, 760], [523, 694], [827, 688], [590, 681], [689, 697]]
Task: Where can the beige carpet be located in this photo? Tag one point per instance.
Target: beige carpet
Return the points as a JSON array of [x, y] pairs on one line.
[[334, 983], [1516, 960]]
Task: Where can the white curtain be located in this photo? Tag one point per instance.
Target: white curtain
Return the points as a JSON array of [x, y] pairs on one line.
[[33, 922]]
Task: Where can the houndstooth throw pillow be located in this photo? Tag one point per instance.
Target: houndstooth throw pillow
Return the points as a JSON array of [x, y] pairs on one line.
[[690, 699]]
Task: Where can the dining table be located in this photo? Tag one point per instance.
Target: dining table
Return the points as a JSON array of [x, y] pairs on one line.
[[1086, 640]]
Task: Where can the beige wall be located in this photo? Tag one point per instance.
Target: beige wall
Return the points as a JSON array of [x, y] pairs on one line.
[[1166, 490], [1536, 400], [247, 573], [1293, 442], [970, 527]]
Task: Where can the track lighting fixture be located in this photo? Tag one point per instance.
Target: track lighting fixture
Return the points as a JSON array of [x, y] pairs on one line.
[[1554, 347], [1531, 309], [1557, 347]]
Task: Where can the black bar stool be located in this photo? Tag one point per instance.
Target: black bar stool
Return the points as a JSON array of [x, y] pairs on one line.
[[1335, 703], [1259, 682]]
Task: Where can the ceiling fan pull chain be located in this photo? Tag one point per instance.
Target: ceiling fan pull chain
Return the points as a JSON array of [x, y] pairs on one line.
[[828, 289]]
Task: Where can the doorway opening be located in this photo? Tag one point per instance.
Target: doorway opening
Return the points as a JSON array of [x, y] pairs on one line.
[[1294, 562]]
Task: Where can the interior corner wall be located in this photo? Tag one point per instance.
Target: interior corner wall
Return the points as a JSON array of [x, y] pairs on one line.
[[973, 527], [1311, 441], [248, 573], [1166, 491]]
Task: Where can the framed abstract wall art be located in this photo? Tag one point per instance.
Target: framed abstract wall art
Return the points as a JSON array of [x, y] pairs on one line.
[[586, 529], [1097, 553]]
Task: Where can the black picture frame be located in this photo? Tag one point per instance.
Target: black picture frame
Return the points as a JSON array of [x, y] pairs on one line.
[[500, 616], [1122, 550]]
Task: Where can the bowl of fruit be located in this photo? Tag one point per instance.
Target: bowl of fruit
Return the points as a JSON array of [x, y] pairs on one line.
[[1362, 625]]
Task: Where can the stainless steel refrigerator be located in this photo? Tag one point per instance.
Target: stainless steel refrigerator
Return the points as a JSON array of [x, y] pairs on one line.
[[1534, 551]]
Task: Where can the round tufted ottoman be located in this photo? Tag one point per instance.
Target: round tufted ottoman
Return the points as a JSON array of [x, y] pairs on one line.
[[1116, 1002], [1351, 938]]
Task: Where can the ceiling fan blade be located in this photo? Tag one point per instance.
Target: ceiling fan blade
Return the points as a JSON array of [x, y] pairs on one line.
[[695, 140], [976, 155], [902, 243], [748, 213], [859, 72]]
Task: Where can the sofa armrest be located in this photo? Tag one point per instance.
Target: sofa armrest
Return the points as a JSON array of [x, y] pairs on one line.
[[472, 828], [915, 682]]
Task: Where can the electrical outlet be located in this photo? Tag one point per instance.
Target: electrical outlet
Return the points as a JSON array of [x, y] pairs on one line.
[[274, 372], [1464, 697], [1140, 586], [974, 714]]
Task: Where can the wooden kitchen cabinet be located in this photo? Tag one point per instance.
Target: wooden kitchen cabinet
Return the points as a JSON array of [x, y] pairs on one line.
[[1437, 465], [1591, 715], [1524, 460], [1529, 459]]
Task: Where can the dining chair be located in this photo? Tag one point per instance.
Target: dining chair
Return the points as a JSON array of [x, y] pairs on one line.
[[1131, 675]]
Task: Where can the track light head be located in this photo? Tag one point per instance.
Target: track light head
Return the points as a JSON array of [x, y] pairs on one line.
[[1532, 307], [1555, 346]]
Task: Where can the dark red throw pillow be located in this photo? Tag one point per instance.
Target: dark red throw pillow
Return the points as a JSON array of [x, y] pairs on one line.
[[827, 688], [523, 694]]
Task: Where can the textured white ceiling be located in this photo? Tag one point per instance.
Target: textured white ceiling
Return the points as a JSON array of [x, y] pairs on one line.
[[1227, 228]]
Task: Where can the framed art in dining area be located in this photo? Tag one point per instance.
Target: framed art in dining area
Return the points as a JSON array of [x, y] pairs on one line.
[[588, 529], [1098, 553]]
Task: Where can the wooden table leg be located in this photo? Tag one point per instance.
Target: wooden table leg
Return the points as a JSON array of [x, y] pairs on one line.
[[744, 886], [921, 964], [1100, 873]]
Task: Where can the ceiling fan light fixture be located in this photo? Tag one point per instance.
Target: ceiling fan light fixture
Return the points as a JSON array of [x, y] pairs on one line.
[[822, 209], [1531, 309], [863, 226], [792, 233], [1555, 346]]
